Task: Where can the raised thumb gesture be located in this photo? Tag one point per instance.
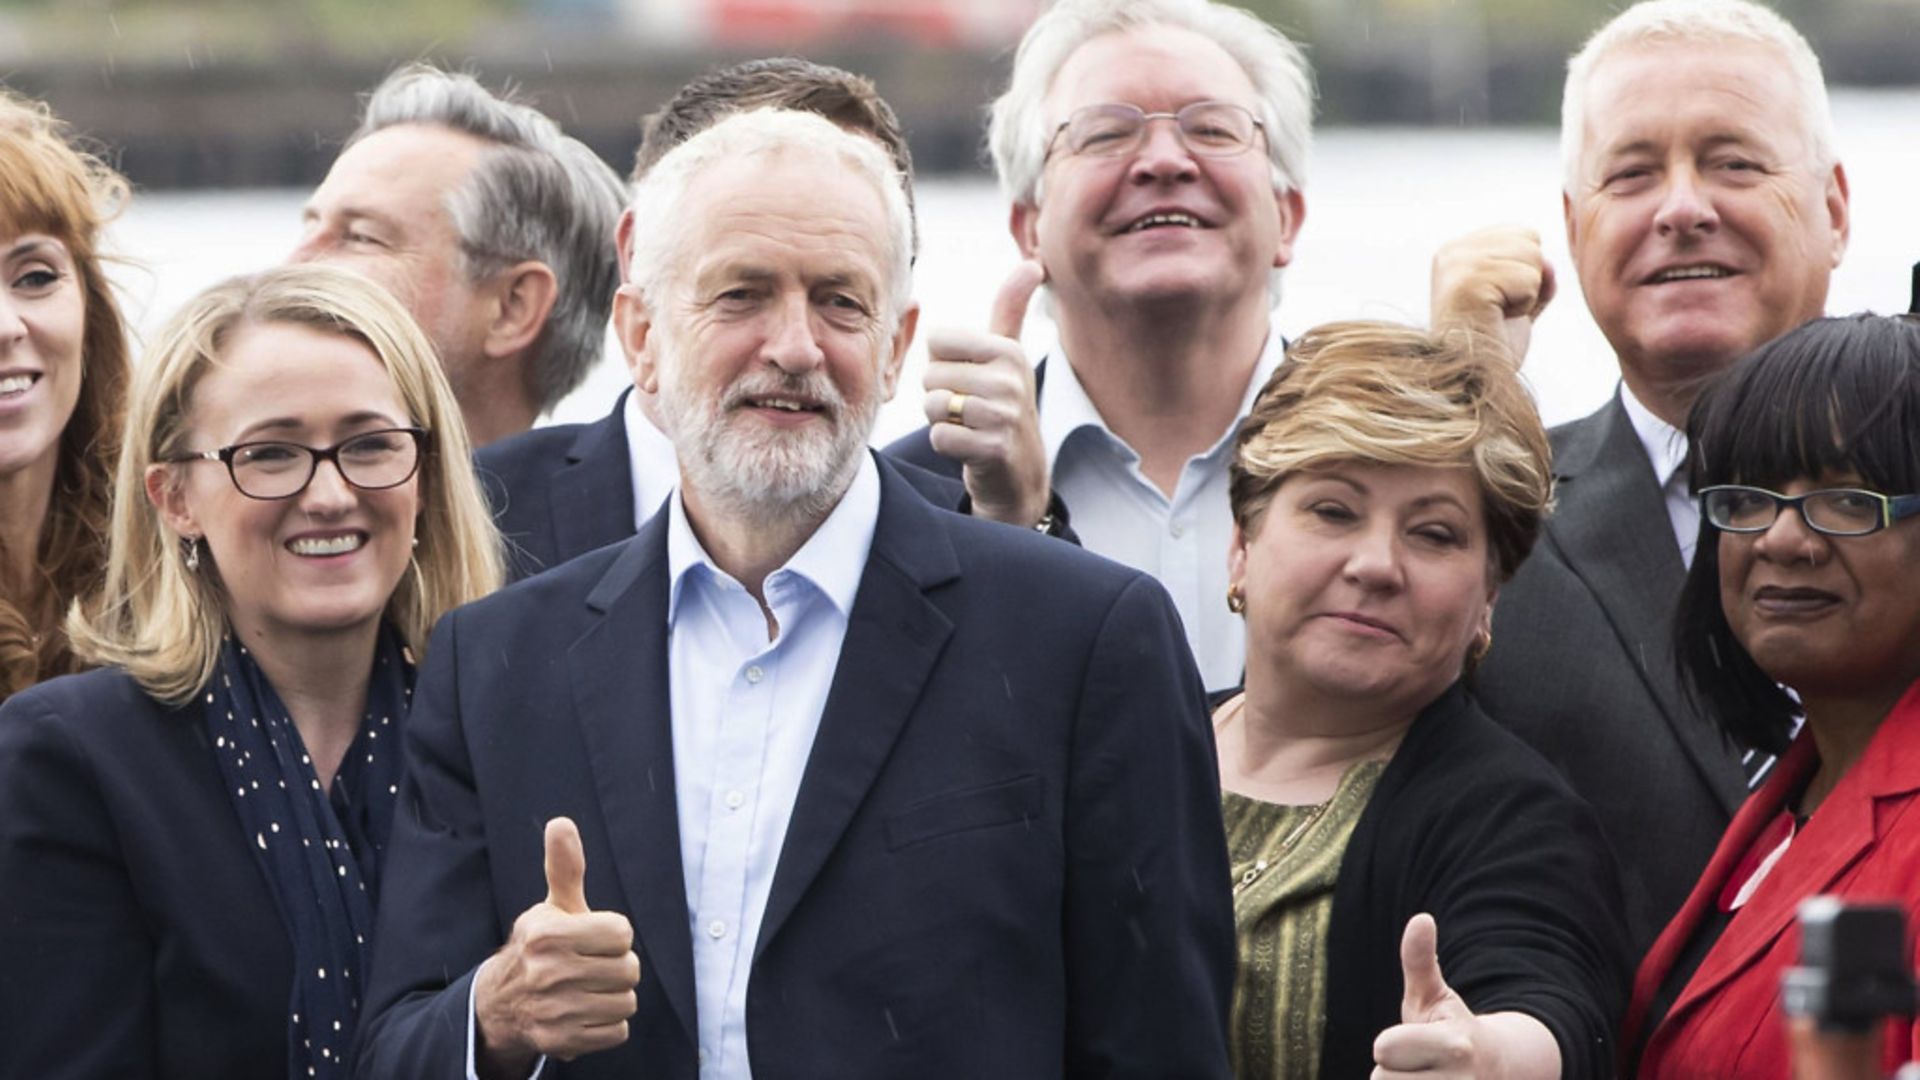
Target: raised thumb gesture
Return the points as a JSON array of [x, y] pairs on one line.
[[566, 867], [1427, 997], [563, 984], [1439, 1036], [980, 403]]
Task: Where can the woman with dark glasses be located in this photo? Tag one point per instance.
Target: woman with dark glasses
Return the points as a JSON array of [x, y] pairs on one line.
[[1799, 629], [190, 837]]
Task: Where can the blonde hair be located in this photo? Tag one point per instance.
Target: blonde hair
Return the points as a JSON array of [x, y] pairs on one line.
[[49, 185], [1379, 393], [163, 622]]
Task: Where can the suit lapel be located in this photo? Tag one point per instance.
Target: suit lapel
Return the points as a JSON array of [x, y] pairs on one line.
[[1611, 528], [894, 636], [619, 677], [592, 496]]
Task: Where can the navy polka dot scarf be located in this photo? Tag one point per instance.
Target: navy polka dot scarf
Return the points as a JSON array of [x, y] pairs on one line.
[[320, 851]]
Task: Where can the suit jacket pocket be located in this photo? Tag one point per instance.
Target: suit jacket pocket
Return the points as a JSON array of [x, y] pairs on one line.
[[1003, 803]]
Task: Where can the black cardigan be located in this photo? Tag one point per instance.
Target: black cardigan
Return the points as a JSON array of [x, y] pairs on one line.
[[1471, 825]]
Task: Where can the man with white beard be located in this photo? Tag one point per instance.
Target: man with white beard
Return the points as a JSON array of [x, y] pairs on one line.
[[869, 789]]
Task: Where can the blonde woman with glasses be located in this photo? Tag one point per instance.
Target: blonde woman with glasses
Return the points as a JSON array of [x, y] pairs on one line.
[[191, 836]]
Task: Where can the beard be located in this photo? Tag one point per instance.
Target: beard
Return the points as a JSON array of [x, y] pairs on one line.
[[759, 472]]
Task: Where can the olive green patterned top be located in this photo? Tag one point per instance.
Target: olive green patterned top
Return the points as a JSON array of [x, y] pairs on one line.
[[1285, 861]]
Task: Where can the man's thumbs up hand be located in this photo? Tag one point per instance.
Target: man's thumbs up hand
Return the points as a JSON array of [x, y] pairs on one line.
[[563, 985]]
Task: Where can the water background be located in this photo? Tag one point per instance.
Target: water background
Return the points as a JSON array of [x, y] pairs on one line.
[[1379, 201]]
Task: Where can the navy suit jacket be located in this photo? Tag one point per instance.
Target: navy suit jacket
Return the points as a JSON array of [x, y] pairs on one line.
[[1005, 859], [561, 491], [138, 935]]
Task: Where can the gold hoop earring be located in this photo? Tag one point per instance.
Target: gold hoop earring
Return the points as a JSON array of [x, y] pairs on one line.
[[1236, 599], [1477, 652]]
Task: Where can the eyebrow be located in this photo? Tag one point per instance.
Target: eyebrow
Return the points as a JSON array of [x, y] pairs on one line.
[[288, 423], [34, 246]]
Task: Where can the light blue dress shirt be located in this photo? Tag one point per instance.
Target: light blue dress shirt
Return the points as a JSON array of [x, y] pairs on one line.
[[1119, 513]]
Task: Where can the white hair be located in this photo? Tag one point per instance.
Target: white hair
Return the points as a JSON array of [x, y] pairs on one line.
[[660, 223], [1018, 133], [1697, 22]]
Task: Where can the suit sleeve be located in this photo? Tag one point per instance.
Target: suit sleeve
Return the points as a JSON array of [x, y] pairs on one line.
[[1149, 921], [76, 966], [1529, 910], [437, 920]]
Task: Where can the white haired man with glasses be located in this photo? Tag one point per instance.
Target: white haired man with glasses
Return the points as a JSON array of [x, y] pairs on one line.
[[1154, 153]]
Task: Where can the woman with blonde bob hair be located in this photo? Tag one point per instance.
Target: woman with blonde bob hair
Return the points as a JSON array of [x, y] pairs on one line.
[[1413, 888], [63, 384], [190, 837]]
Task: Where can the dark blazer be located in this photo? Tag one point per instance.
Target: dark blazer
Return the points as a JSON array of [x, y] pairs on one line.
[[1470, 825], [1582, 669], [561, 491], [1005, 859], [138, 936]]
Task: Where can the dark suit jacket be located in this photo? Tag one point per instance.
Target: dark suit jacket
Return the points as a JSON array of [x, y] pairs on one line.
[[138, 936], [561, 491], [1005, 859], [1582, 669]]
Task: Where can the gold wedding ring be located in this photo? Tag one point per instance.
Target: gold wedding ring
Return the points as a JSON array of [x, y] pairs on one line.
[[957, 408]]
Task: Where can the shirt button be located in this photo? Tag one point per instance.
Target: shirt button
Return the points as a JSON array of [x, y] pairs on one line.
[[716, 929], [703, 1057], [754, 674], [1177, 530], [735, 800]]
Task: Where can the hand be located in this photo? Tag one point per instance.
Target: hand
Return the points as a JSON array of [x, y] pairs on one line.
[[563, 983], [997, 435], [1495, 281], [1439, 1036]]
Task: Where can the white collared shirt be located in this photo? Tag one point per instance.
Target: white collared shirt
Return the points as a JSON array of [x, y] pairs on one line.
[[745, 712], [652, 467], [1120, 514], [1666, 448]]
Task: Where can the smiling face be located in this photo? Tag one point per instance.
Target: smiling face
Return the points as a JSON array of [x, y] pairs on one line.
[[771, 346], [42, 323], [1366, 583], [1162, 224], [321, 563], [1699, 220], [1826, 615], [382, 211]]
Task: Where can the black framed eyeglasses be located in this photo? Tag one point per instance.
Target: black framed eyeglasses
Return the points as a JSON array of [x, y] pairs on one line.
[[370, 461], [1206, 128], [1737, 508]]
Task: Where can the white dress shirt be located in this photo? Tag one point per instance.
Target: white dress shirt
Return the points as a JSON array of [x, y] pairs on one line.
[[1120, 514], [1666, 448], [745, 711], [746, 707], [653, 467]]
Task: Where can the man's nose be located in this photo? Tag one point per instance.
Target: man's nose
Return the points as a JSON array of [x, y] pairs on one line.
[[790, 344], [1686, 205], [1163, 153], [315, 241]]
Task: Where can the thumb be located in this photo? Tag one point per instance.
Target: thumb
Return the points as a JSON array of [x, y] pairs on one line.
[[566, 867], [1426, 988], [1010, 303]]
